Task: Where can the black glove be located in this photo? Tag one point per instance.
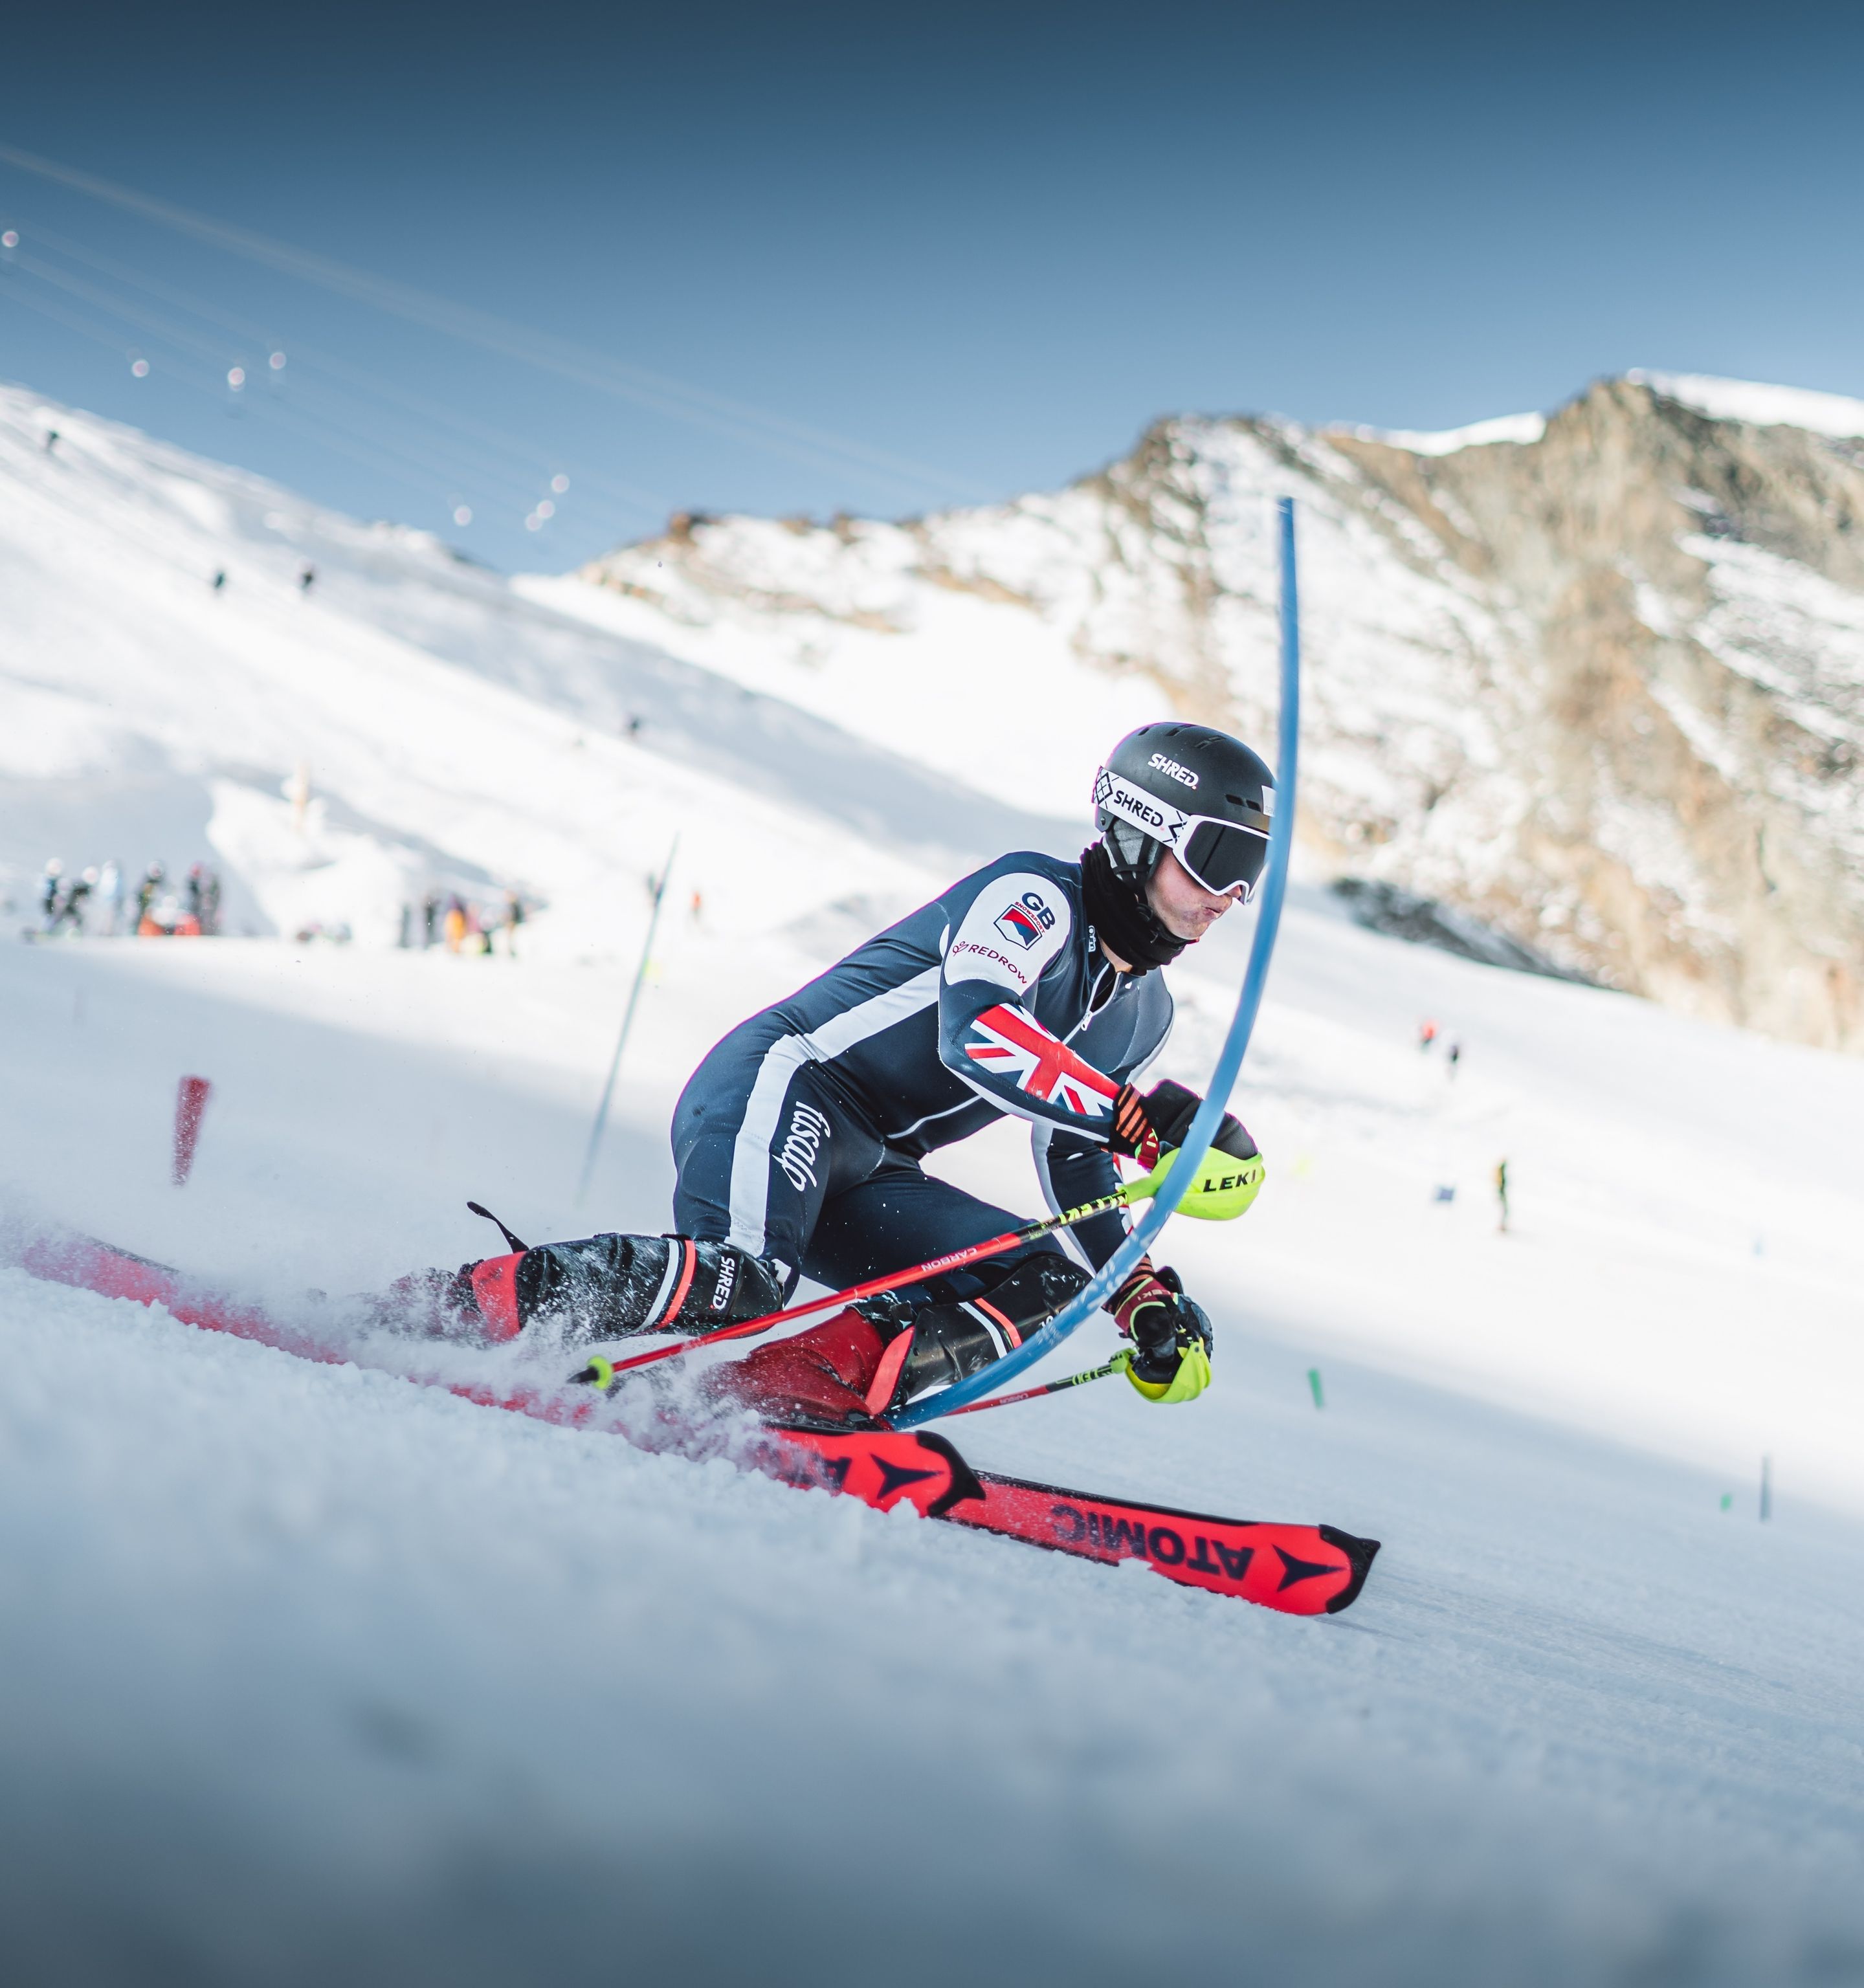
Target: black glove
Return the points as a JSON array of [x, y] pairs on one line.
[[1170, 1107], [1163, 1324]]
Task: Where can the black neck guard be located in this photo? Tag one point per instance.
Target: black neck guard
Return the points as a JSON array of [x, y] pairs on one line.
[[1121, 917]]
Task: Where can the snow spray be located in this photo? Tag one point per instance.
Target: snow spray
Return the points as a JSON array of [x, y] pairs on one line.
[[190, 1103]]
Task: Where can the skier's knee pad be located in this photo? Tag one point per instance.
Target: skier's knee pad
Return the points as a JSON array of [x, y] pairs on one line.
[[933, 1345], [607, 1287]]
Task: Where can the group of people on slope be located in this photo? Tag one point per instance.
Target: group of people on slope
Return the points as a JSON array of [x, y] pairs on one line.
[[461, 926], [97, 902]]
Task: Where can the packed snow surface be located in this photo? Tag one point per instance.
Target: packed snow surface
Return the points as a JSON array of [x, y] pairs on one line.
[[313, 1675]]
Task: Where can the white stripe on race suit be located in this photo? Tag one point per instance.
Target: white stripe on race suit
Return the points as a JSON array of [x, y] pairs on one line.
[[750, 1196], [1040, 1132]]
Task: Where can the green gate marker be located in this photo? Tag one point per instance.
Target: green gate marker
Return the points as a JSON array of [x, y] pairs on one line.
[[1314, 1382]]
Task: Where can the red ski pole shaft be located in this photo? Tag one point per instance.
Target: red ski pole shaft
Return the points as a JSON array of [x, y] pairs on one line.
[[956, 1259]]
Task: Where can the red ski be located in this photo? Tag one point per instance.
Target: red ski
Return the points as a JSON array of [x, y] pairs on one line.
[[1300, 1570]]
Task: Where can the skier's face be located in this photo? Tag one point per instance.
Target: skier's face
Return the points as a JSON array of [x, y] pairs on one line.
[[1183, 906]]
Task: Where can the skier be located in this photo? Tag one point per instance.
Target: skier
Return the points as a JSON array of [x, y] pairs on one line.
[[51, 892], [109, 896], [147, 891], [71, 912], [1028, 988]]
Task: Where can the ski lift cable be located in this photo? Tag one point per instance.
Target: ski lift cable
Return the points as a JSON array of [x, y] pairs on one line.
[[1203, 1127], [463, 469], [534, 459], [126, 526], [458, 472], [315, 431], [363, 435], [123, 525], [738, 419]]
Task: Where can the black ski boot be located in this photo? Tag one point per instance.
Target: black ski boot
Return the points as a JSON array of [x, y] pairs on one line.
[[601, 1287]]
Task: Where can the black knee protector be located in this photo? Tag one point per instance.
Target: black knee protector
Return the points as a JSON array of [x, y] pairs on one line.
[[951, 1342]]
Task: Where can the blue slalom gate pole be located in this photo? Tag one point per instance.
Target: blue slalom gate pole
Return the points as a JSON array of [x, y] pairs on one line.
[[627, 1023], [1228, 1063]]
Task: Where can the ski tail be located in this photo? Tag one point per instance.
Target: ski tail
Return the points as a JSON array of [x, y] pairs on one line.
[[68, 1257]]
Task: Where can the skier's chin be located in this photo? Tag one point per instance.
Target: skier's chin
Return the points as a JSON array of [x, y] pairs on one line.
[[1191, 937]]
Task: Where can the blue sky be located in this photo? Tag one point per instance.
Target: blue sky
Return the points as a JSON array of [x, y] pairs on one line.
[[987, 245]]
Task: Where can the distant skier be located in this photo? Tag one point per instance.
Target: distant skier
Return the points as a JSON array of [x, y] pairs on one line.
[[147, 892], [1027, 988], [1426, 1034], [1501, 1194], [514, 917], [109, 896], [307, 579], [51, 892], [72, 908], [1455, 1053]]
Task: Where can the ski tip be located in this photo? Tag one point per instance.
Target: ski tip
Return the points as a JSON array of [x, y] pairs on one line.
[[1360, 1554]]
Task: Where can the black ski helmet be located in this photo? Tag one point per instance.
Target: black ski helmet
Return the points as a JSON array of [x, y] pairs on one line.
[[1193, 790]]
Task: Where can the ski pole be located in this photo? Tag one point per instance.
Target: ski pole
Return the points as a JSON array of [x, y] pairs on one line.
[[1118, 1365], [601, 1373]]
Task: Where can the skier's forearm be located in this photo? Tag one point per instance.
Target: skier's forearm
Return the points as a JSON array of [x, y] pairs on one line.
[[1000, 1049]]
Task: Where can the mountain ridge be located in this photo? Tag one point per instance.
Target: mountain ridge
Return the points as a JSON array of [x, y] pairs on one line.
[[1594, 678]]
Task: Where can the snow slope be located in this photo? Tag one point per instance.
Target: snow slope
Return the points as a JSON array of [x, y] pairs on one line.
[[311, 1674], [427, 1678], [452, 736]]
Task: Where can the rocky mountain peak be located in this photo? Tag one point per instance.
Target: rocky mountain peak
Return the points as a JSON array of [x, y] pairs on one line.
[[1595, 680]]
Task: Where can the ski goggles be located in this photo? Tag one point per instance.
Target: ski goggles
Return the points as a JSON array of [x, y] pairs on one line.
[[1222, 856]]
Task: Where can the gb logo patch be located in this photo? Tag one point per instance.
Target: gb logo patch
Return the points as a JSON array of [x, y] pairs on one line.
[[1025, 922]]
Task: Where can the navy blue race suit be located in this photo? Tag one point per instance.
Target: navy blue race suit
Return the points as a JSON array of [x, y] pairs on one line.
[[799, 1138]]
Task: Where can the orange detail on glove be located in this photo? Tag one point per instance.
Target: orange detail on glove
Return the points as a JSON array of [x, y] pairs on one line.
[[1133, 1137]]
